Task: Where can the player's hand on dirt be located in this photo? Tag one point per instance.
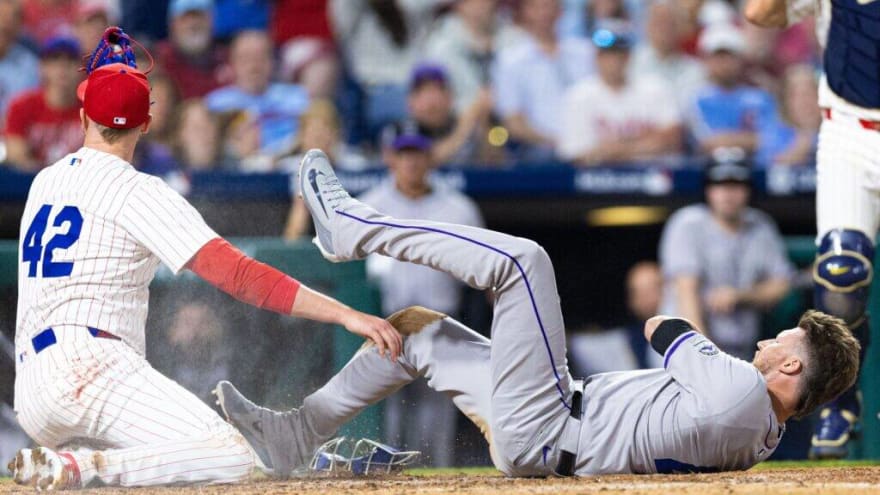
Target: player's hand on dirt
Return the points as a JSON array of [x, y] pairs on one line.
[[722, 300], [378, 330]]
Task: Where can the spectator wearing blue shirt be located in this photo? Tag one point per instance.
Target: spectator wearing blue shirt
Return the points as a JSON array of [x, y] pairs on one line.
[[727, 112], [275, 106], [19, 68], [531, 78]]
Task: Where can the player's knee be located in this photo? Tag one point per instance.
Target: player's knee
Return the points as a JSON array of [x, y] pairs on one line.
[[531, 256], [842, 274], [414, 319]]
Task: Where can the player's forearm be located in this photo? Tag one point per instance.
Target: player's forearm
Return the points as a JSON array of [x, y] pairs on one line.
[[659, 141], [653, 323], [765, 295], [444, 149], [521, 130], [246, 279], [315, 306], [652, 143], [767, 13]]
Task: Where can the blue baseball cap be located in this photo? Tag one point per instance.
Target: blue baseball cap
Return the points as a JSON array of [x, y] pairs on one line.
[[613, 36], [423, 73], [179, 7], [405, 136], [60, 45]]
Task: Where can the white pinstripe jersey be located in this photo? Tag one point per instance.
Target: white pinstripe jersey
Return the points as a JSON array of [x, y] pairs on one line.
[[796, 11], [92, 235]]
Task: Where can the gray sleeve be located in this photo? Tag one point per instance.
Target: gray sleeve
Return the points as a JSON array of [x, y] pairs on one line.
[[678, 249], [717, 380]]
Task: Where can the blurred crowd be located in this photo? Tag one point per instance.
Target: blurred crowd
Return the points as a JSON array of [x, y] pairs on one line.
[[248, 85]]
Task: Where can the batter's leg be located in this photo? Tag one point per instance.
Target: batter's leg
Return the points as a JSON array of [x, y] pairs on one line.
[[451, 357], [146, 429], [847, 214], [530, 380]]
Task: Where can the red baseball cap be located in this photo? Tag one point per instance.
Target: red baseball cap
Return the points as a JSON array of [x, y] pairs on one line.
[[116, 96]]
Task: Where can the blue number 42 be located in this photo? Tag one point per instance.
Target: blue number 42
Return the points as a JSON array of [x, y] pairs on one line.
[[32, 249]]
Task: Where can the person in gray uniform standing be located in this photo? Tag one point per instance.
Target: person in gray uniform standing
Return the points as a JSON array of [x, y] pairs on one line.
[[724, 263], [703, 411]]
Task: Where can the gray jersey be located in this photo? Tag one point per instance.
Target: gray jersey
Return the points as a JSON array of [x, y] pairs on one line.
[[705, 411], [694, 244]]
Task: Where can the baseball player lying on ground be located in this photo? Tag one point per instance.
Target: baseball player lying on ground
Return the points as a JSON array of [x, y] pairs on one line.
[[704, 411], [94, 231]]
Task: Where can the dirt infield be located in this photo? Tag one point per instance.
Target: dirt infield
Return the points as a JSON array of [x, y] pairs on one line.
[[796, 481]]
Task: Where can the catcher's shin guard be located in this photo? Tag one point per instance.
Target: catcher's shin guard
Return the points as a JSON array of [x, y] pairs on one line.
[[842, 274]]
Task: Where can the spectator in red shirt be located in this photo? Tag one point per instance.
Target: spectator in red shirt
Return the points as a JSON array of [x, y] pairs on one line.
[[190, 57], [43, 125]]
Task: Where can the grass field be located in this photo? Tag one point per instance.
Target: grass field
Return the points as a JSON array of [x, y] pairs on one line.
[[776, 478]]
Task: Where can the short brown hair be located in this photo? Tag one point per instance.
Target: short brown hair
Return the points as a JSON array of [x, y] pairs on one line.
[[111, 135], [832, 360]]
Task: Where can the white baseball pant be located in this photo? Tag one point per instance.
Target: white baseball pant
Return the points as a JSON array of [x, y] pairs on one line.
[[848, 176], [85, 393]]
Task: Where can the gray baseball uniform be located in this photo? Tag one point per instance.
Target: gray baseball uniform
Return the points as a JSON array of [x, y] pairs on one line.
[[693, 243], [704, 411]]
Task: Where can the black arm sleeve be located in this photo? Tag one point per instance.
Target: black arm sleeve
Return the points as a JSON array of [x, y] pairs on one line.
[[667, 332]]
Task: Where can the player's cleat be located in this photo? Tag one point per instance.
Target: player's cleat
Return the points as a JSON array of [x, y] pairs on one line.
[[45, 469], [281, 440], [836, 426], [324, 196]]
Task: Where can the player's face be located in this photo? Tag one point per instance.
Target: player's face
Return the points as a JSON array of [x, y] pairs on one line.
[[728, 200], [772, 353], [662, 28], [191, 32], [481, 11], [724, 67], [251, 61], [431, 104], [410, 169], [60, 71], [612, 65], [90, 29], [644, 289], [539, 15]]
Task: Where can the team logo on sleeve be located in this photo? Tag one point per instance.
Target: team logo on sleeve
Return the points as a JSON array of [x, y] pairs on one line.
[[708, 349], [705, 347]]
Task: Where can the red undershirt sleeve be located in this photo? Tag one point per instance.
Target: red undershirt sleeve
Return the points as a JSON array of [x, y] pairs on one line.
[[244, 278]]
